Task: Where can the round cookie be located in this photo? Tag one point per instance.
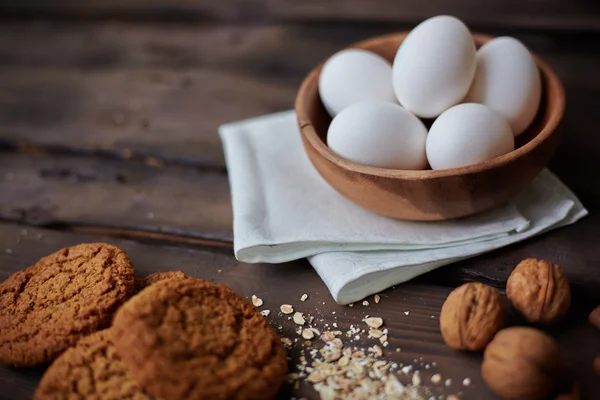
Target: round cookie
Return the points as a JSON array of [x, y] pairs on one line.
[[142, 283], [191, 339], [69, 294], [91, 370]]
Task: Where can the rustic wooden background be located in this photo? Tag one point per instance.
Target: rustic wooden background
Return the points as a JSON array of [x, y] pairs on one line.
[[108, 131]]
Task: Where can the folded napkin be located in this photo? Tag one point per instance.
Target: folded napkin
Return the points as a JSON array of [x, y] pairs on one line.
[[283, 210]]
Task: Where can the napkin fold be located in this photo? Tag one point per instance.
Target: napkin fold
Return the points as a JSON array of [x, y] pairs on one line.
[[283, 210]]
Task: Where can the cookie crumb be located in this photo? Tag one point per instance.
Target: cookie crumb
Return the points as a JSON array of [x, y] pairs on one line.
[[256, 301], [286, 309], [374, 322], [299, 318], [308, 334], [416, 380]]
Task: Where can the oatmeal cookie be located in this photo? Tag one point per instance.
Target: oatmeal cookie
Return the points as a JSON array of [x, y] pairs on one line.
[[191, 339], [91, 370], [69, 294]]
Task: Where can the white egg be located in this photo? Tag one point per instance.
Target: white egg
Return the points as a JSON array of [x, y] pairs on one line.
[[507, 79], [468, 134], [434, 66], [379, 134], [355, 75]]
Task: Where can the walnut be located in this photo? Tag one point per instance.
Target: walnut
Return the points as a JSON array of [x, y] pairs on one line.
[[471, 316], [595, 317], [539, 291], [522, 364]]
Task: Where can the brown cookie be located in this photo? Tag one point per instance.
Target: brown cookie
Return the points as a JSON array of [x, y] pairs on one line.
[[191, 339], [91, 370], [142, 283], [69, 294]]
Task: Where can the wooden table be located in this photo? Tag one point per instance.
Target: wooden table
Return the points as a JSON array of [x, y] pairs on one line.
[[108, 132]]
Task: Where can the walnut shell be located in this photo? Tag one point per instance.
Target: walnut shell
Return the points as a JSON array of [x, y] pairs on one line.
[[471, 316], [521, 364], [595, 317], [539, 291]]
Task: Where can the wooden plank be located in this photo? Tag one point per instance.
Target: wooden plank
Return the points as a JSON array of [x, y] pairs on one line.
[[574, 248], [75, 190], [551, 14], [417, 333], [187, 206], [162, 91]]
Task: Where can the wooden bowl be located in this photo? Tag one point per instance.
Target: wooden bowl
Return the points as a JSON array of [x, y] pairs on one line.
[[431, 194]]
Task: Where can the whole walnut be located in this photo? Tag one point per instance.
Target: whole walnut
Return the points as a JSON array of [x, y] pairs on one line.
[[471, 316], [539, 291], [522, 364]]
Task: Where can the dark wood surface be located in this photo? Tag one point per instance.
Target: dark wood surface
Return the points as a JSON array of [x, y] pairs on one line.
[[108, 131]]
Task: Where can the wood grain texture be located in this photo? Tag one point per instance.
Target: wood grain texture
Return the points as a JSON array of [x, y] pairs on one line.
[[75, 190], [550, 14], [417, 333], [192, 207], [162, 90]]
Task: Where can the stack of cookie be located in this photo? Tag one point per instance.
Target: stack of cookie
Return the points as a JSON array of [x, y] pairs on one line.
[[178, 338]]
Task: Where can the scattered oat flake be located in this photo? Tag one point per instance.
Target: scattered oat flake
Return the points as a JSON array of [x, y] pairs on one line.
[[406, 312], [448, 382], [452, 397], [466, 382], [304, 297], [374, 322], [351, 305], [335, 325], [265, 313], [308, 334], [256, 301], [8, 251], [377, 298], [365, 303], [327, 336], [286, 341], [378, 350], [299, 318], [398, 349], [375, 333], [416, 380], [437, 378], [286, 309]]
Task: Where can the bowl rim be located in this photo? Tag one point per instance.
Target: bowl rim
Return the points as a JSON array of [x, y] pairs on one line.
[[308, 132]]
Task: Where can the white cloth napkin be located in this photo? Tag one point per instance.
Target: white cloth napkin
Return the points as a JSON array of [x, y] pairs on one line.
[[283, 210]]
